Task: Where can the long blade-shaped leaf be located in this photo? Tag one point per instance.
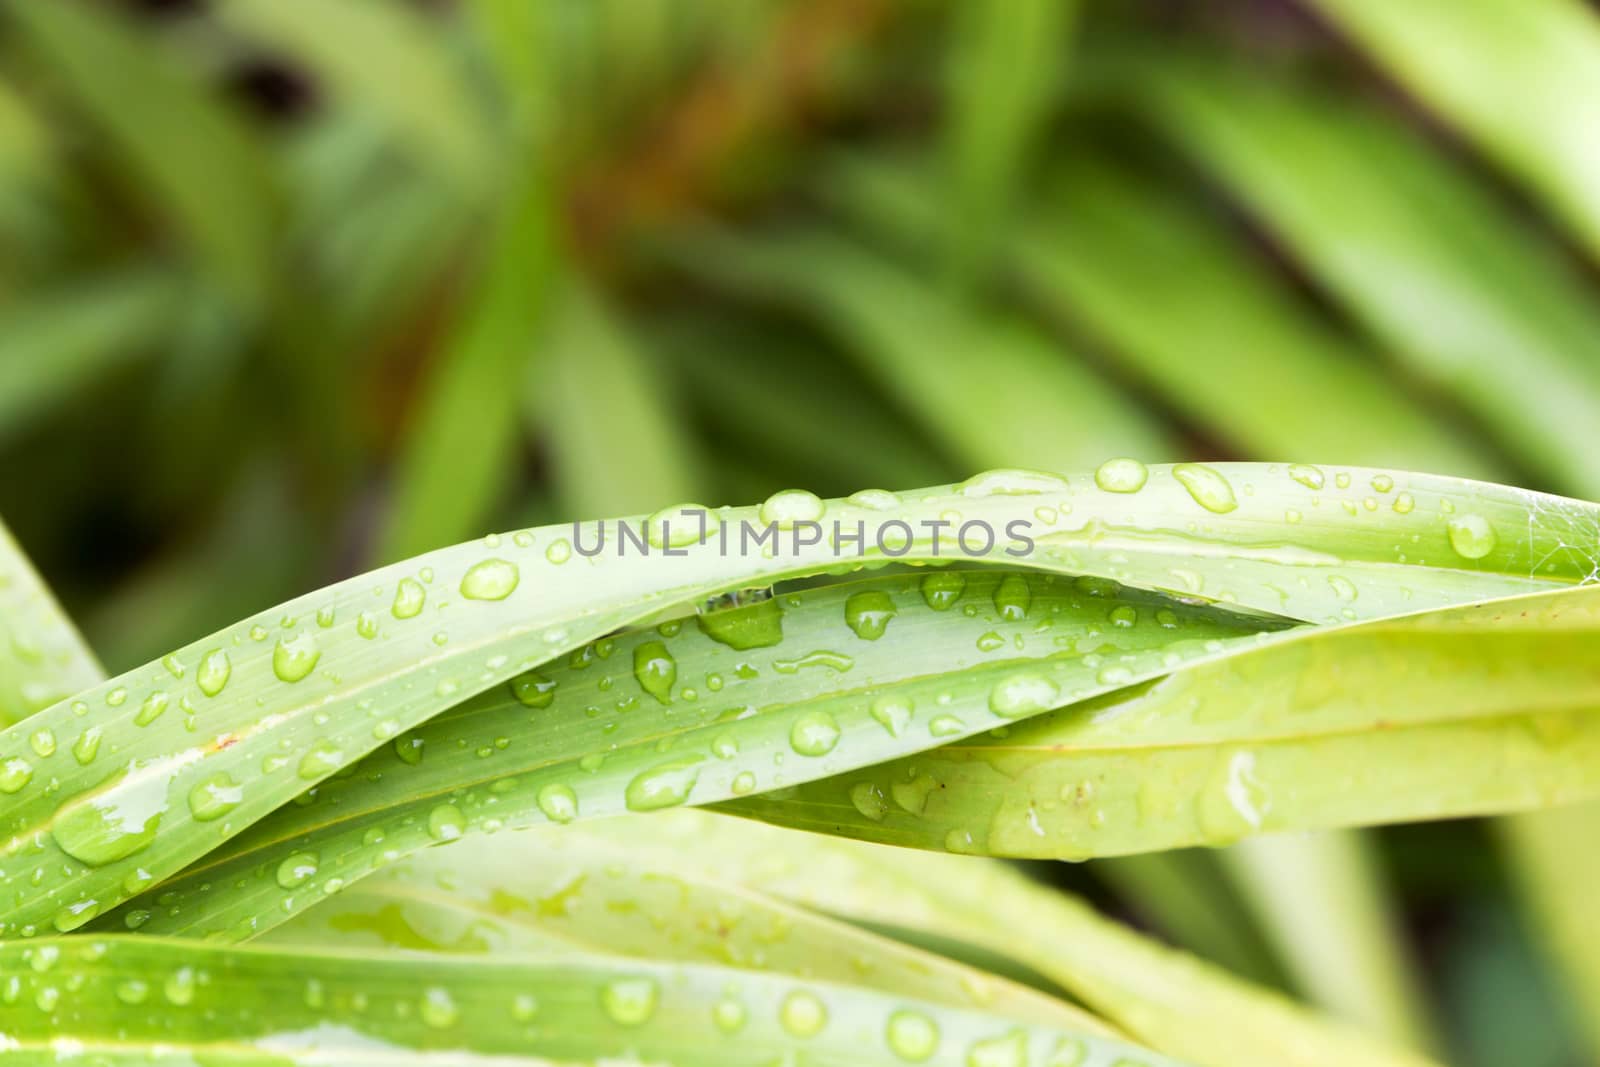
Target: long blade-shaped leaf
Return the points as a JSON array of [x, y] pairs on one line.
[[1480, 307], [755, 698], [1515, 77], [42, 657], [140, 999], [1172, 1001], [587, 893], [1486, 708], [191, 750]]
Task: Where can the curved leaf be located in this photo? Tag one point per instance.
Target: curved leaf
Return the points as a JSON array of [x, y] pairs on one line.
[[42, 656]]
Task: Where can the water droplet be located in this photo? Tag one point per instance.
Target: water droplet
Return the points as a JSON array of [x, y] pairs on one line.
[[297, 869], [533, 690], [1012, 483], [790, 506], [1207, 486], [213, 672], [1124, 615], [295, 657], [214, 797], [408, 749], [630, 1001], [655, 670], [523, 1006], [446, 823], [438, 1010], [742, 620], [1121, 475], [179, 987], [874, 500], [87, 746], [729, 1015], [941, 589], [1382, 483], [558, 802], [43, 742], [173, 665], [868, 613], [744, 782], [133, 991], [802, 1014], [104, 824], [892, 712], [15, 773], [678, 526], [1008, 1050], [1471, 536], [1023, 694], [912, 1036], [945, 726], [321, 760], [869, 800], [1403, 504], [663, 786], [409, 596], [367, 625], [814, 734], [1012, 598], [153, 705], [1307, 475], [490, 579], [1343, 587]]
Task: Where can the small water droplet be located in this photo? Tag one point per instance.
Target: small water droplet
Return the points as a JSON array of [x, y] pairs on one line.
[[214, 797], [912, 1036], [87, 746], [892, 711], [1471, 536], [784, 509], [655, 670], [321, 760], [814, 734], [446, 823], [558, 802], [630, 1001], [1012, 598], [941, 589], [15, 772], [213, 673], [802, 1014], [1307, 475], [438, 1010], [1023, 694], [297, 869], [533, 690], [869, 800]]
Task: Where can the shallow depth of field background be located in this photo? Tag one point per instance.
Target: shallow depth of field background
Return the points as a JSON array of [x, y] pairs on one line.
[[291, 288]]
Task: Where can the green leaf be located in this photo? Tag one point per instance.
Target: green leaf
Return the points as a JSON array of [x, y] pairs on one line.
[[461, 441], [54, 345], [139, 999], [402, 73], [1166, 999], [1420, 253], [1003, 409], [1004, 68], [617, 439], [1553, 859], [189, 153], [42, 657], [238, 723], [1472, 710], [1514, 77], [782, 691], [586, 893]]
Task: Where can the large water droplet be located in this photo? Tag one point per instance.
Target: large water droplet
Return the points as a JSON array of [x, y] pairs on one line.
[[663, 786], [630, 1001], [1471, 536], [868, 613], [655, 670], [1012, 597], [558, 802], [1307, 475], [1207, 486], [108, 824], [802, 1014], [214, 797], [490, 579], [1121, 475], [215, 668], [409, 596], [790, 506], [533, 690], [941, 589], [295, 657], [297, 869], [1023, 694], [446, 823], [814, 734], [912, 1036]]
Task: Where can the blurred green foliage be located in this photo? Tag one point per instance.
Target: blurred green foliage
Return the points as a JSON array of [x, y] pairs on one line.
[[293, 287]]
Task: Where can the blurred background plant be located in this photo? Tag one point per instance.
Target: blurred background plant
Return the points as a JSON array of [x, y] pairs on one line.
[[291, 288]]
